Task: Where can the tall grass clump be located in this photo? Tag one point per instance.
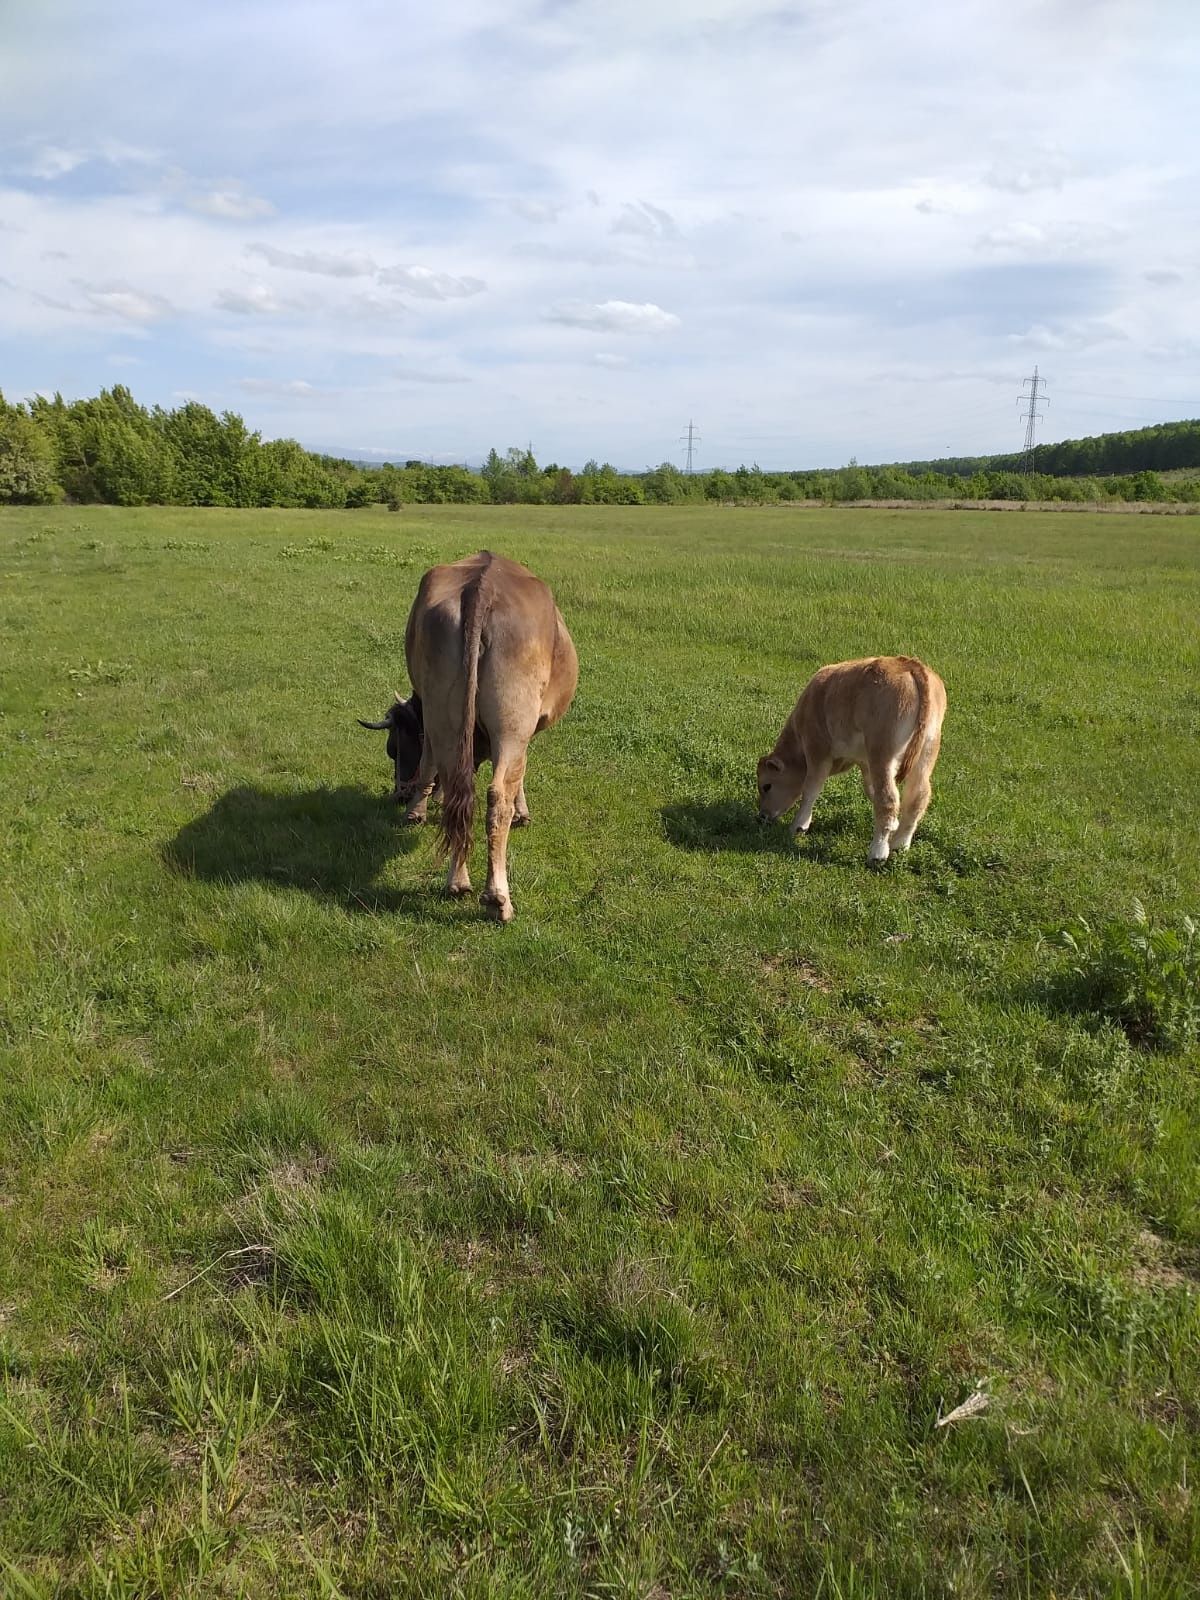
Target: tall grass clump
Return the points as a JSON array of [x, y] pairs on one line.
[[1136, 971]]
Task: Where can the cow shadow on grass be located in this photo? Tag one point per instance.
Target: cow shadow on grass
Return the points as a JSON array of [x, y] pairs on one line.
[[331, 843]]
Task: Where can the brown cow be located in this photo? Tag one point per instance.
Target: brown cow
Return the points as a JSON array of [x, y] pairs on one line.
[[883, 715], [491, 664]]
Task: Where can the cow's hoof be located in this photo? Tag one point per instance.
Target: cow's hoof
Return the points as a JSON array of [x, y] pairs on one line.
[[522, 821], [414, 818], [457, 891], [501, 910]]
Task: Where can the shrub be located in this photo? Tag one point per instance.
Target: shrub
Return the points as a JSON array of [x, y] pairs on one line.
[[1142, 974]]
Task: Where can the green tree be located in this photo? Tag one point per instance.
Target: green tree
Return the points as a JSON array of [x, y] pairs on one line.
[[665, 485], [27, 459]]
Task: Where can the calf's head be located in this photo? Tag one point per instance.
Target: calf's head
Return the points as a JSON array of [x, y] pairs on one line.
[[406, 734], [779, 786]]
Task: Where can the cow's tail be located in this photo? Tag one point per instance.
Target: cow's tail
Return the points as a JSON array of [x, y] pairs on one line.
[[920, 677], [458, 787]]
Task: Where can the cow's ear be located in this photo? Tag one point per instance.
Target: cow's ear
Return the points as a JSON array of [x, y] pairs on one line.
[[772, 764]]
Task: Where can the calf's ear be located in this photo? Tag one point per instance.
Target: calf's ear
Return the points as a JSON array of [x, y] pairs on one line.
[[772, 764]]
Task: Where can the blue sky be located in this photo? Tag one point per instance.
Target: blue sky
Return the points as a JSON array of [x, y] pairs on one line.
[[829, 229]]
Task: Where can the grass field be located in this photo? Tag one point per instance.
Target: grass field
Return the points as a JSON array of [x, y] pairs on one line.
[[351, 1245]]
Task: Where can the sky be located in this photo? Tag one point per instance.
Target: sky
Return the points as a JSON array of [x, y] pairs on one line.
[[822, 230]]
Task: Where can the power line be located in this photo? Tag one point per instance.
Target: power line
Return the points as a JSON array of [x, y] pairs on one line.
[[1032, 417], [1148, 399], [692, 438]]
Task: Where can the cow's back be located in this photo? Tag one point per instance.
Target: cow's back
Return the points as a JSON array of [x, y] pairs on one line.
[[517, 641]]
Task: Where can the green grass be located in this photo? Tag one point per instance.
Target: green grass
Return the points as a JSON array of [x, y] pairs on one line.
[[351, 1245]]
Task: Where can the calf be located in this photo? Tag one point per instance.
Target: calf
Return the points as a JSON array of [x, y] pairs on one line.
[[882, 714]]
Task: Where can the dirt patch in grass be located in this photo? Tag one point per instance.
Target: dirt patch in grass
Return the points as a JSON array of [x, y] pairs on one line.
[[783, 1196], [1159, 1265], [791, 967]]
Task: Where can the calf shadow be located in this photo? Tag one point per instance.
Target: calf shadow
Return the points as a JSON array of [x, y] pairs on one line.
[[721, 825], [840, 835], [331, 843]]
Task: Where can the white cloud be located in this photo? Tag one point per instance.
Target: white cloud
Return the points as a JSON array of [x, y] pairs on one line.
[[1068, 336], [613, 316], [1019, 175], [415, 375], [1049, 238], [646, 221], [230, 201], [295, 388], [541, 211], [328, 264], [53, 161], [1013, 236], [429, 285], [256, 300], [120, 300], [369, 306], [605, 358]]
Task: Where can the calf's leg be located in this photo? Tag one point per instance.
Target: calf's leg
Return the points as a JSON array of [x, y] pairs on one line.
[[885, 797], [814, 782], [917, 791]]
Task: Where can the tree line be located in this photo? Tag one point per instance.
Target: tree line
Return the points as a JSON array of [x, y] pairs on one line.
[[1163, 447], [111, 450]]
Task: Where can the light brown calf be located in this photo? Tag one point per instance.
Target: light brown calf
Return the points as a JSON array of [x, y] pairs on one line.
[[883, 715]]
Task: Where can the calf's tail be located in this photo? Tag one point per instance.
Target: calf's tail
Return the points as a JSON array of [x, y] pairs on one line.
[[920, 677]]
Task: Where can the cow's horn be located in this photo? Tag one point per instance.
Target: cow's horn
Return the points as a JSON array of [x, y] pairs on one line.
[[386, 723], [398, 695]]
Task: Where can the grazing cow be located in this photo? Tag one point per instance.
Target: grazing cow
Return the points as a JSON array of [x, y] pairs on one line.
[[883, 715], [491, 664]]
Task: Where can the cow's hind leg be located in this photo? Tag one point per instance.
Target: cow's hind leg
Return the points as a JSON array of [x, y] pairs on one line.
[[917, 790], [508, 775], [885, 797]]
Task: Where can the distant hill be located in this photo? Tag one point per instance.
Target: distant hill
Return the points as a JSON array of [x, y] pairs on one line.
[[1164, 447]]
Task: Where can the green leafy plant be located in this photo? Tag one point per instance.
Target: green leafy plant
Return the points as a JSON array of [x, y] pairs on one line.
[[1140, 973]]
